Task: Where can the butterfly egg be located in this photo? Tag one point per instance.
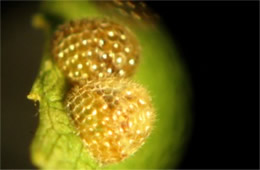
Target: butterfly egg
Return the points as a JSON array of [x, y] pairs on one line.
[[130, 12], [94, 48], [113, 117]]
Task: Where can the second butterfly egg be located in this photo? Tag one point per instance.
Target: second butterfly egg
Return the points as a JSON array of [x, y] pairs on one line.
[[93, 48]]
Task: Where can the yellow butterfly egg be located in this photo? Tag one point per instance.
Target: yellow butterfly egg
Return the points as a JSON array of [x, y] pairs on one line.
[[113, 117], [94, 48]]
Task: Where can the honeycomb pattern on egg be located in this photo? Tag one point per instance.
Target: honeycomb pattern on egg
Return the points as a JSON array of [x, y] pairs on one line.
[[94, 48], [112, 116]]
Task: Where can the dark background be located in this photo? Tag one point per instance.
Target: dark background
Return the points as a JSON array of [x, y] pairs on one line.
[[219, 43]]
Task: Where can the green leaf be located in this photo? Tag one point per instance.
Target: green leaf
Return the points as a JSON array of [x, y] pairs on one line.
[[56, 145]]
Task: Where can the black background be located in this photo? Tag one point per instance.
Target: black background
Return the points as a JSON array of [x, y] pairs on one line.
[[219, 43]]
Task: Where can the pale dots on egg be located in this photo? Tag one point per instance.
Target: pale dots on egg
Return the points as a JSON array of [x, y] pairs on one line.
[[110, 33], [70, 74], [87, 63], [121, 72], [128, 92], [101, 43], [116, 45], [89, 107], [148, 114], [141, 102], [60, 55], [123, 152], [89, 53], [118, 113], [111, 55], [113, 133], [104, 56], [80, 66], [96, 50], [109, 70], [89, 117], [127, 50], [114, 117], [131, 106], [104, 107], [119, 60], [94, 67], [123, 37], [131, 61], [88, 42], [130, 124], [94, 112], [95, 39], [76, 73], [72, 47], [107, 144], [141, 118], [84, 42], [110, 132], [102, 65], [85, 75], [76, 56], [147, 128], [100, 75]]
